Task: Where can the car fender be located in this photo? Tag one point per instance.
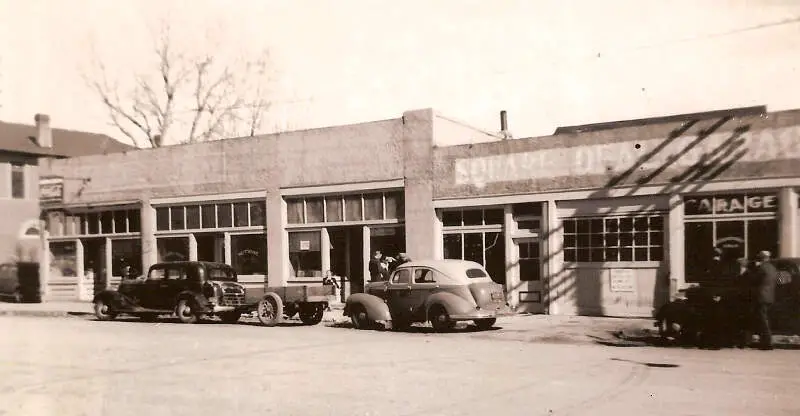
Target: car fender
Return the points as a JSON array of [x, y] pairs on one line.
[[112, 298], [197, 298], [453, 304], [376, 308]]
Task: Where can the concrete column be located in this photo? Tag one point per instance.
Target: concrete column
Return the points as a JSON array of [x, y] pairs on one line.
[[512, 269], [44, 262], [420, 215], [192, 247], [438, 235], [227, 249], [366, 253], [109, 259], [554, 259], [788, 223], [277, 239], [325, 250], [148, 226], [79, 264], [675, 245]]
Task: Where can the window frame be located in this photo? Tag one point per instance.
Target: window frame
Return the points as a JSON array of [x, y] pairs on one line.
[[17, 168], [590, 236]]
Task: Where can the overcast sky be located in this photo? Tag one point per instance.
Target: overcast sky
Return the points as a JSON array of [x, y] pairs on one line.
[[546, 62]]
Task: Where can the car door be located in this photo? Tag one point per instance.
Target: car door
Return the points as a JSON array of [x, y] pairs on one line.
[[399, 295], [423, 285], [174, 283], [148, 291]]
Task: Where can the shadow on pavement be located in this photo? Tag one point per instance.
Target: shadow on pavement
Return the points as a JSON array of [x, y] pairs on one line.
[[418, 329], [651, 365], [652, 339]]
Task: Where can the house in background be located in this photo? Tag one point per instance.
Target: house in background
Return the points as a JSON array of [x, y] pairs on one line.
[[22, 146]]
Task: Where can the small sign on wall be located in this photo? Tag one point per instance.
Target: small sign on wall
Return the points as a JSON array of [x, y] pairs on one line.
[[622, 280], [305, 245]]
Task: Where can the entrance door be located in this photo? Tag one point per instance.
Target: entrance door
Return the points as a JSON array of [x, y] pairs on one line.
[[346, 257], [94, 263], [530, 294]]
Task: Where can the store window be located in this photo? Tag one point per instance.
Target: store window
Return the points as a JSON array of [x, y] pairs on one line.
[[374, 206], [305, 253], [476, 235], [173, 248], [63, 259], [241, 214], [249, 254], [615, 239], [126, 253], [17, 181]]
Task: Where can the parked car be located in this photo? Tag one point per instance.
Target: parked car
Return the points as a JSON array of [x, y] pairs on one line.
[[19, 282], [440, 291], [188, 289], [695, 308]]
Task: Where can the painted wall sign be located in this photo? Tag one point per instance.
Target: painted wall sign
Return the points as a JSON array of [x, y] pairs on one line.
[[601, 159], [730, 204], [622, 280], [51, 190]]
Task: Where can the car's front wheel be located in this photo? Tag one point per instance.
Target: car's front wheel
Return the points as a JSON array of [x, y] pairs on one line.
[[440, 320], [484, 324], [186, 312], [270, 309], [312, 314], [103, 311]]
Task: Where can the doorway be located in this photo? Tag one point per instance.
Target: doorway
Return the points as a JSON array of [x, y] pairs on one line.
[[347, 257], [94, 263], [530, 291]]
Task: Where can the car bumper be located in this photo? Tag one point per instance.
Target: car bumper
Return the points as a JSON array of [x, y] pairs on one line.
[[220, 309], [476, 314]]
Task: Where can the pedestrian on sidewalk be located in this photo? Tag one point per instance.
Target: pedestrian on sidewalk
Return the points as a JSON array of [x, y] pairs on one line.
[[763, 282]]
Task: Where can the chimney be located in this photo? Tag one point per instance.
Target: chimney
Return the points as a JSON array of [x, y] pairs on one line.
[[44, 136], [156, 140], [504, 126]]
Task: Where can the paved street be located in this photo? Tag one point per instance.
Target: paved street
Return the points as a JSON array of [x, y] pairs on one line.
[[77, 366]]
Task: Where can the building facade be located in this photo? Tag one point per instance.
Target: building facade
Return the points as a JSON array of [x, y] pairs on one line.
[[597, 220]]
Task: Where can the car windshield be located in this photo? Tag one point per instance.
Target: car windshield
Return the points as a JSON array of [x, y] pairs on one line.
[[476, 273], [221, 273]]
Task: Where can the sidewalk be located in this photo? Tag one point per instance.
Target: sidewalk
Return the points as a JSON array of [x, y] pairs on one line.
[[520, 328]]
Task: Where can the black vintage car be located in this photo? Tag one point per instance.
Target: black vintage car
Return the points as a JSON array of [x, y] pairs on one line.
[[188, 289], [722, 304]]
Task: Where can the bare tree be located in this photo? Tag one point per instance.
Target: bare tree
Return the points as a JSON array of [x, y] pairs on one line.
[[186, 99]]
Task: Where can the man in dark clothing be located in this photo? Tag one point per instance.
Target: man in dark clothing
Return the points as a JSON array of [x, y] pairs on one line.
[[375, 266], [401, 258], [764, 280]]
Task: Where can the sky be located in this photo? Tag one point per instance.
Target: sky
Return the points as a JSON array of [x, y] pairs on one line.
[[547, 63]]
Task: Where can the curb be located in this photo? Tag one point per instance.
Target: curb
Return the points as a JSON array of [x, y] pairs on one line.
[[44, 314]]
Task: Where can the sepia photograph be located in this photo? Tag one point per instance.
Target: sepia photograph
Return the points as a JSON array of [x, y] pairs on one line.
[[415, 208]]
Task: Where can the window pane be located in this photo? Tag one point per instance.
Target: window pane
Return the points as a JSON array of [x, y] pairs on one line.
[[224, 216], [352, 205], [17, 181], [106, 222], [730, 238], [493, 216], [258, 211], [584, 240], [762, 235], [126, 253], [162, 218], [241, 215], [373, 207], [640, 239], [626, 224], [656, 253], [598, 255], [570, 255], [570, 226], [529, 225], [63, 259], [626, 254], [612, 225], [584, 226], [333, 209], [596, 240], [473, 217], [626, 239], [209, 216], [597, 226], [657, 223], [529, 270], [93, 222], [192, 217], [584, 254], [452, 246], [570, 241], [699, 249], [612, 254], [640, 224], [304, 253], [656, 238], [173, 249], [611, 240], [176, 219], [640, 254], [314, 210], [473, 247], [533, 209], [495, 257], [395, 205], [249, 254], [134, 221], [451, 218], [119, 222]]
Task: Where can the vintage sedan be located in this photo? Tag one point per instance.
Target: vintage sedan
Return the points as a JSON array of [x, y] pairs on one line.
[[440, 291], [188, 289]]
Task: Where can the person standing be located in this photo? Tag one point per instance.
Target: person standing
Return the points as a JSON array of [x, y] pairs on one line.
[[764, 280], [375, 266]]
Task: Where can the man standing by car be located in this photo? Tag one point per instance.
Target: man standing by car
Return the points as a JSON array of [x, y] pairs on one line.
[[375, 266], [764, 280]]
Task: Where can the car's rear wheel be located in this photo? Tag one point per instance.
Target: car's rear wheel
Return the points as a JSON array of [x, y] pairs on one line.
[[103, 311], [186, 312], [484, 324], [440, 320], [270, 310], [359, 318], [311, 314]]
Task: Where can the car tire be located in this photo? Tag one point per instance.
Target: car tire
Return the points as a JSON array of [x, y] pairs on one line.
[[440, 320], [289, 311], [270, 310], [311, 314], [186, 313], [485, 324], [360, 319], [103, 311], [230, 317]]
